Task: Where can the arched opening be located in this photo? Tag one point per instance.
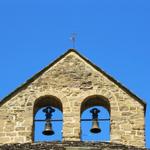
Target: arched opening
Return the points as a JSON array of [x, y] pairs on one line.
[[47, 120], [99, 129]]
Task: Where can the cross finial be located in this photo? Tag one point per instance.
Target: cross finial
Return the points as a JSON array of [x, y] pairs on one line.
[[73, 39]]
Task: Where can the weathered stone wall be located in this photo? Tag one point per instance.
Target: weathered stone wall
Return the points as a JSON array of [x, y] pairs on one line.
[[69, 146], [72, 80]]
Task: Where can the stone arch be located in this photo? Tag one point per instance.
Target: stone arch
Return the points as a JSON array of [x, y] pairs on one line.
[[94, 100], [86, 105], [46, 100], [43, 101]]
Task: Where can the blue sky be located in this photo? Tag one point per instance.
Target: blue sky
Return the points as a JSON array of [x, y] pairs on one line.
[[113, 34]]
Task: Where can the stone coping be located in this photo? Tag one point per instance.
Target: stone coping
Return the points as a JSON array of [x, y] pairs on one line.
[[74, 145]]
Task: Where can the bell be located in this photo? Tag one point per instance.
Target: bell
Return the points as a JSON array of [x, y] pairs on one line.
[[95, 126], [48, 128]]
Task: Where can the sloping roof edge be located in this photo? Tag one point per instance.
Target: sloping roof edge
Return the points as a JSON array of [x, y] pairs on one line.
[[85, 59]]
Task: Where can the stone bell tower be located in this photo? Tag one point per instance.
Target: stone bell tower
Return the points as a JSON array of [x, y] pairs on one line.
[[72, 84]]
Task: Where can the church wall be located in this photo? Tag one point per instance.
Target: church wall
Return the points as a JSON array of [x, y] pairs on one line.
[[72, 80]]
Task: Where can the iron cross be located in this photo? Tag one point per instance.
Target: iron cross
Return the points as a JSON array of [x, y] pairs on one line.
[[73, 39]]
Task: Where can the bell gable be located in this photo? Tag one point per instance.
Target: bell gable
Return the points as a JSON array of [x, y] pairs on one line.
[[72, 84]]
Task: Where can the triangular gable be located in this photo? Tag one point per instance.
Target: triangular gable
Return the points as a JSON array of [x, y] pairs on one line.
[[86, 60]]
